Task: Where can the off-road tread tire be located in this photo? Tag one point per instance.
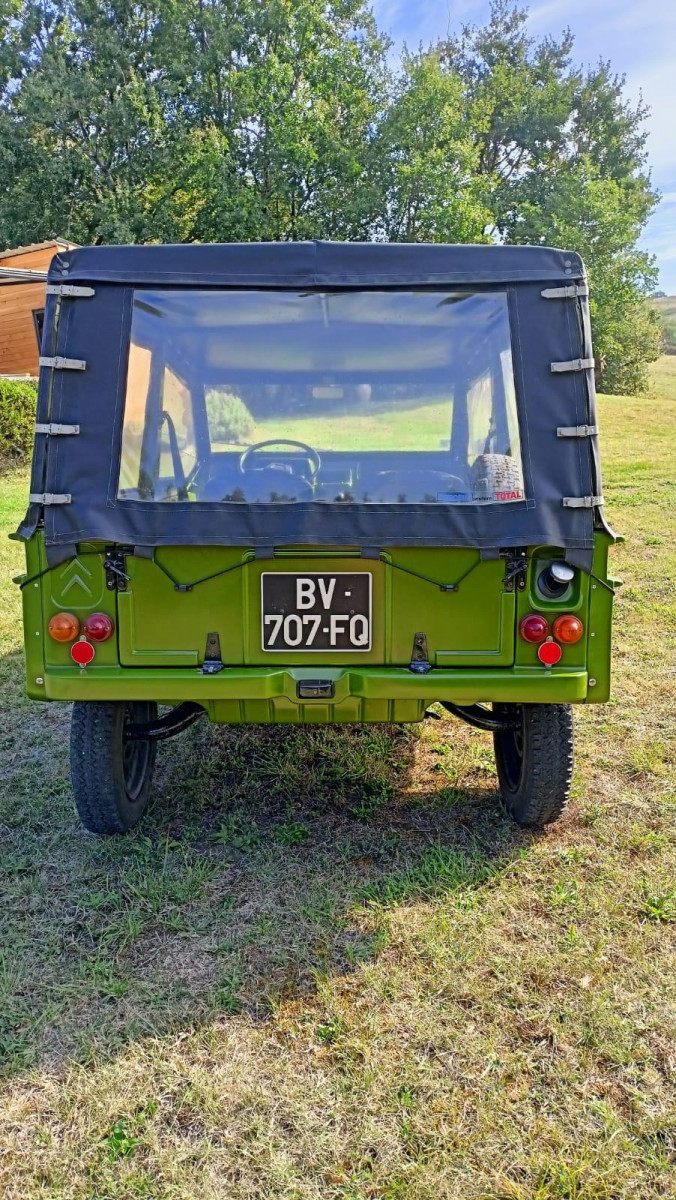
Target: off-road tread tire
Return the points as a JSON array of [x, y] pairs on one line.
[[96, 766], [501, 471], [544, 790]]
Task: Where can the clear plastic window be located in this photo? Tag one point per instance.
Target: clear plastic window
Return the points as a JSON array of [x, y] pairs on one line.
[[338, 396]]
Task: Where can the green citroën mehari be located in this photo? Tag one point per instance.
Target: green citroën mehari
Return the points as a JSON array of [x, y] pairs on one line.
[[316, 482]]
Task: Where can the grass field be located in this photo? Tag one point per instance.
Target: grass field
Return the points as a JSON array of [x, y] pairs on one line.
[[327, 966]]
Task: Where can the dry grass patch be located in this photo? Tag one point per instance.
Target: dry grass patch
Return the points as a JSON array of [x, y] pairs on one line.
[[327, 967]]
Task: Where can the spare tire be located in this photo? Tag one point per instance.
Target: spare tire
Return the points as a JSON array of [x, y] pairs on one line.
[[493, 473]]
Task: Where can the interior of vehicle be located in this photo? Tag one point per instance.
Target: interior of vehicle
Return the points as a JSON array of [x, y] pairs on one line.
[[351, 397]]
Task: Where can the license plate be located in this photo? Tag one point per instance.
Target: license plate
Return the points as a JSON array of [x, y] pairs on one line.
[[316, 611]]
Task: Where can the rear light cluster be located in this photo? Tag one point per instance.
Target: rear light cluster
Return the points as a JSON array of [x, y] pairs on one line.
[[65, 627], [566, 628]]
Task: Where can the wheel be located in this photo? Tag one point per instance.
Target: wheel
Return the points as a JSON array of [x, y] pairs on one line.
[[111, 778], [495, 473], [535, 761]]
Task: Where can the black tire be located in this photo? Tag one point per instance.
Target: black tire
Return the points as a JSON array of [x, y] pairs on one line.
[[535, 762], [111, 778], [496, 473]]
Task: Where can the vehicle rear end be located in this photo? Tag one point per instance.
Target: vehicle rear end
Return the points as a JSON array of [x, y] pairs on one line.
[[276, 499]]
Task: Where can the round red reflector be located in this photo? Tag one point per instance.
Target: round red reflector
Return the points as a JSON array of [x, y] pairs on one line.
[[63, 627], [567, 628], [82, 652], [533, 628], [98, 627], [549, 653]]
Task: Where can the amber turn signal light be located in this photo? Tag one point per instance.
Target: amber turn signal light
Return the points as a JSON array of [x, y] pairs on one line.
[[99, 627], [533, 628], [63, 627], [567, 628]]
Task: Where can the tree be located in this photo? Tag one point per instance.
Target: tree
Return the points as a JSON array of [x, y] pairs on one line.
[[218, 120], [426, 161], [185, 119], [562, 156]]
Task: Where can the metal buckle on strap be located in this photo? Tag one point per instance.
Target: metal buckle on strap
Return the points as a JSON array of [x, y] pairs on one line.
[[68, 289], [577, 431], [58, 363], [582, 501], [570, 292], [573, 364], [53, 429], [50, 498]]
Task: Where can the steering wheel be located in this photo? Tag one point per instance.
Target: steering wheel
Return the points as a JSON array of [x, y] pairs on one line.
[[313, 455]]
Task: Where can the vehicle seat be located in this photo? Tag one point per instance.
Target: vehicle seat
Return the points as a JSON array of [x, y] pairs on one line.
[[254, 486], [417, 486]]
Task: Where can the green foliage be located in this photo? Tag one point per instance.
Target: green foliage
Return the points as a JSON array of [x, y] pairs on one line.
[[241, 121], [431, 187], [665, 307], [119, 1143], [291, 834], [563, 158], [149, 122], [229, 417], [17, 417]]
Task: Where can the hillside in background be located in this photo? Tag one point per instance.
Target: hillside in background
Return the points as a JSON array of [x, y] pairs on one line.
[[666, 307]]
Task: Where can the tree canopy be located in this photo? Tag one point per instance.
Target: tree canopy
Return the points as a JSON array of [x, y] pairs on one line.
[[231, 120]]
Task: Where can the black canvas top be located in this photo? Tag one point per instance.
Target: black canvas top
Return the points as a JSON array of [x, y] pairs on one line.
[[308, 264], [96, 329]]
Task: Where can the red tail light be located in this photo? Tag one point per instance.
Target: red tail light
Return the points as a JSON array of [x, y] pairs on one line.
[[63, 627], [567, 628], [82, 652], [99, 627], [533, 628], [549, 653]]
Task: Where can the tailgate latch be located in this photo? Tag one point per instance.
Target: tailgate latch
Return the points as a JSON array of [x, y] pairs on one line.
[[213, 662], [115, 567], [420, 660]]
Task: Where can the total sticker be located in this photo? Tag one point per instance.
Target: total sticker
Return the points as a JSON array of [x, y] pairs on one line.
[[515, 494]]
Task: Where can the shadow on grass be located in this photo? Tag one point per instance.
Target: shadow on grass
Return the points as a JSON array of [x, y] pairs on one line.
[[267, 863]]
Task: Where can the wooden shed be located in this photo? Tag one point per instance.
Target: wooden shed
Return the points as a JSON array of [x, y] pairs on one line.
[[22, 303]]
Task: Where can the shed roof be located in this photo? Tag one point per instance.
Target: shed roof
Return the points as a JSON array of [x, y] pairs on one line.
[[52, 244]]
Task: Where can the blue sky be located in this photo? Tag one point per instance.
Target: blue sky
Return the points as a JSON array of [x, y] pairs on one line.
[[639, 39]]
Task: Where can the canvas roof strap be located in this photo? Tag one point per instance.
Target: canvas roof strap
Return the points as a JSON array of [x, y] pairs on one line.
[[577, 431], [570, 292], [573, 364], [55, 429], [50, 498], [582, 501], [58, 363], [71, 290]]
